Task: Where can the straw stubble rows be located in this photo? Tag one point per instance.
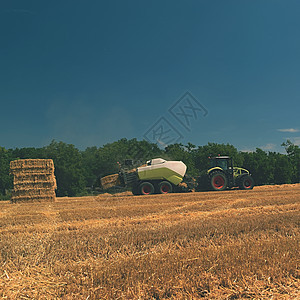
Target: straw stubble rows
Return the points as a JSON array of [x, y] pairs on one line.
[[234, 244]]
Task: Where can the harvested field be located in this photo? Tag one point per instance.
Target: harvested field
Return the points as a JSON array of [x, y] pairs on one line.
[[211, 245]]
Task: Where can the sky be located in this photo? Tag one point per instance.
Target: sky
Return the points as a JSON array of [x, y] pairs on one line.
[[92, 72]]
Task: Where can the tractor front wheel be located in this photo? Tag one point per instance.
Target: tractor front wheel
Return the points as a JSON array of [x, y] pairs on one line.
[[218, 181], [246, 183], [146, 188]]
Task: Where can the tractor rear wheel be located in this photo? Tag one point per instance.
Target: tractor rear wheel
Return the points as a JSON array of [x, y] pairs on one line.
[[165, 187], [218, 181], [146, 188], [246, 183]]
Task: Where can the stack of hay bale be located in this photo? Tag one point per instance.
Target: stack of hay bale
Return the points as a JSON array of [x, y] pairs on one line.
[[34, 180]]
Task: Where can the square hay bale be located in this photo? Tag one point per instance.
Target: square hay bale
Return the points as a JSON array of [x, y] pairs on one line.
[[26, 165], [37, 198], [34, 180]]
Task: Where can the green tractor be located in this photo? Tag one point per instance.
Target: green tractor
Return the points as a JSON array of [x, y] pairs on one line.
[[223, 175]]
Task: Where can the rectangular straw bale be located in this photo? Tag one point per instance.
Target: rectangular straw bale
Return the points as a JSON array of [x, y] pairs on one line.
[[110, 181], [32, 163], [33, 170], [34, 193], [25, 177], [32, 166], [30, 187], [34, 199]]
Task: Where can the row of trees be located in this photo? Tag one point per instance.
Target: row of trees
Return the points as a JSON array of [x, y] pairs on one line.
[[76, 170]]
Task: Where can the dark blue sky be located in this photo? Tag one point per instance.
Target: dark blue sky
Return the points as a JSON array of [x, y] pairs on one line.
[[92, 72]]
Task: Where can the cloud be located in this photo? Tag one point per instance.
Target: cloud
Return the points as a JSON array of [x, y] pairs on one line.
[[248, 150], [268, 147], [288, 130]]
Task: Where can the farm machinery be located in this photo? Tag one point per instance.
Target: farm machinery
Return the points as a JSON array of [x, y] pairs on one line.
[[162, 177], [223, 175], [156, 176]]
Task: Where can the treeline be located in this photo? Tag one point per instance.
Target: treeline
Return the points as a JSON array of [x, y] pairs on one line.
[[77, 172]]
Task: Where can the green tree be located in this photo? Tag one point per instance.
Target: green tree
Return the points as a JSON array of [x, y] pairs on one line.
[[5, 179], [283, 170], [28, 153], [90, 165], [69, 169], [261, 165], [293, 152]]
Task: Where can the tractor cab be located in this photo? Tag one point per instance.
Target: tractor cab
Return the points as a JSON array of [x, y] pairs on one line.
[[223, 162]]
